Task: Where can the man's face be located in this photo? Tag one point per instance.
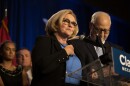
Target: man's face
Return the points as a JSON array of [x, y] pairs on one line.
[[102, 32], [101, 28], [24, 58]]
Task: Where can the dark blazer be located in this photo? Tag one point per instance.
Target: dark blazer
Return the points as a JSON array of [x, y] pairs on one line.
[[107, 46], [49, 62], [82, 48]]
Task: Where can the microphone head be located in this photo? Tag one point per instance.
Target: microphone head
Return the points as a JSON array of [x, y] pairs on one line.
[[81, 37]]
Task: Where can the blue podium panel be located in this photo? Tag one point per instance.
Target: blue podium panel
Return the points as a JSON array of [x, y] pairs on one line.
[[121, 61]]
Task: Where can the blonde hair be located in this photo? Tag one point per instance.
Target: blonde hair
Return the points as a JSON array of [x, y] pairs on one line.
[[97, 14], [56, 20]]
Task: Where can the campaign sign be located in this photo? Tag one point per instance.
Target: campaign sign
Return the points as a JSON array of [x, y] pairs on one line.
[[121, 61]]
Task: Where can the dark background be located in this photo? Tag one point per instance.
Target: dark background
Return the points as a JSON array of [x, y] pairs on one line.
[[119, 8], [26, 18]]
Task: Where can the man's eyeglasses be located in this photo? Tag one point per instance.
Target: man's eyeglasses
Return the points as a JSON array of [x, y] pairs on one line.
[[99, 30], [67, 21]]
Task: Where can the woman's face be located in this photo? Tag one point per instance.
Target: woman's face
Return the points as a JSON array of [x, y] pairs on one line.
[[68, 26], [9, 51]]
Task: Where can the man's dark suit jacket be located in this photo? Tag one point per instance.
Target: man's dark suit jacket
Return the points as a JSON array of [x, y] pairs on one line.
[[49, 62], [107, 46]]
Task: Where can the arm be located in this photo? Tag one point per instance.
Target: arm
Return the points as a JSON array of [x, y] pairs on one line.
[[47, 55]]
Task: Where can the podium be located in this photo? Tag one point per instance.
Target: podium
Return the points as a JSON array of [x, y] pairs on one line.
[[101, 75]]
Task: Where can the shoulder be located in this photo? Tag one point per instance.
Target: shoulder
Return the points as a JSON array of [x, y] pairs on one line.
[[42, 43], [45, 38], [42, 39], [78, 44], [76, 41]]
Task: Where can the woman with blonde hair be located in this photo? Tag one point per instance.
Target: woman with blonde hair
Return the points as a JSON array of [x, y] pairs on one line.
[[52, 57]]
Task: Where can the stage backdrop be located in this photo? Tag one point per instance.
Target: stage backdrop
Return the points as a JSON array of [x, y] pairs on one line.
[[27, 20]]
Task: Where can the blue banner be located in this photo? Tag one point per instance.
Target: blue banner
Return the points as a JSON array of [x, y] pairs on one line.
[[121, 61]]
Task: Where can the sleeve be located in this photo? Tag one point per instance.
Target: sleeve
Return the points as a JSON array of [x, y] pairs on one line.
[[45, 56]]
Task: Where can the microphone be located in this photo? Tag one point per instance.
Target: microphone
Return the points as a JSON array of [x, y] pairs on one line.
[[99, 42], [106, 57], [81, 37]]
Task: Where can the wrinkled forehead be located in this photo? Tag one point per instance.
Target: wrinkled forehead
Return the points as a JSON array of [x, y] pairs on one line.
[[103, 20]]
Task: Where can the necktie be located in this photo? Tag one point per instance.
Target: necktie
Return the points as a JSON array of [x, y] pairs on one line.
[[25, 78]]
